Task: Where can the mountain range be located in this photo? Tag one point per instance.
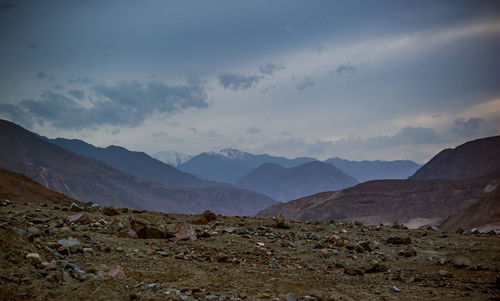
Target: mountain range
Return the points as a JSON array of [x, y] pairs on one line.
[[87, 179], [138, 164], [284, 184], [230, 165], [437, 191]]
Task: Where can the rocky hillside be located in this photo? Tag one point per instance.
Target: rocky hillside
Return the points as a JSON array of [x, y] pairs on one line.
[[414, 202], [469, 160], [285, 184], [48, 253], [21, 189], [87, 179], [483, 214]]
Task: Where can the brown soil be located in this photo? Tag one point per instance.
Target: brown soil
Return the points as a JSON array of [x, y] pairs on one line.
[[231, 263]]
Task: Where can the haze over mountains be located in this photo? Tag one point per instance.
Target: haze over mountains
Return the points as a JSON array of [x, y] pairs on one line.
[[436, 191], [284, 184], [230, 165], [87, 179], [376, 170]]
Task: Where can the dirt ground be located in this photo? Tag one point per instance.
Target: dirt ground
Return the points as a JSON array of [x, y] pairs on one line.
[[237, 258]]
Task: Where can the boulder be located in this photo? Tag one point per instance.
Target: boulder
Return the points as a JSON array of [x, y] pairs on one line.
[[206, 218], [181, 232], [399, 240], [75, 208], [281, 221], [146, 231], [110, 211], [69, 246], [79, 218]]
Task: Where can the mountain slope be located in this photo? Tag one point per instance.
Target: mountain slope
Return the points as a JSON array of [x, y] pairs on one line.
[[376, 170], [229, 165], [87, 179], [483, 214], [21, 189], [137, 164], [285, 184], [415, 202], [469, 160]]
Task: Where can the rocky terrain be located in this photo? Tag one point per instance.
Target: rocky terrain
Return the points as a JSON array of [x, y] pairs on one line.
[[56, 252]]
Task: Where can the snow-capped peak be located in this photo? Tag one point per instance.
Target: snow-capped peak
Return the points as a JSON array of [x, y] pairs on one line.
[[172, 158], [232, 153]]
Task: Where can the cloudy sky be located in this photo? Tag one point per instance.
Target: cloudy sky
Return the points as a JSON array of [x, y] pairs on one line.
[[354, 79]]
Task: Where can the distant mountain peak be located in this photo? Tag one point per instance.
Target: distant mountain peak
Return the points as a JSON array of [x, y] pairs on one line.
[[232, 153], [171, 157]]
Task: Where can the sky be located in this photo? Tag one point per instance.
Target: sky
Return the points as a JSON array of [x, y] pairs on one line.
[[362, 80]]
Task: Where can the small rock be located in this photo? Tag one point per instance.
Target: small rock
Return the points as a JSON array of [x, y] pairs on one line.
[[69, 245], [80, 218], [395, 289], [206, 218], [433, 228], [367, 246], [408, 253], [290, 297], [75, 208], [378, 268], [116, 272], [110, 211], [398, 240], [128, 234], [281, 221], [34, 258], [161, 253]]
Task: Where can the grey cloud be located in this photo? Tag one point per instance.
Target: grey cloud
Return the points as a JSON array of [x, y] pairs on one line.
[[33, 45], [305, 83], [408, 136], [57, 87], [253, 130], [345, 70], [125, 104], [467, 128], [236, 82], [78, 94], [16, 115], [41, 75], [270, 68], [81, 80], [159, 134]]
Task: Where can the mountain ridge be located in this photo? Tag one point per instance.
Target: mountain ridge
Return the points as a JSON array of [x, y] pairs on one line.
[[284, 184]]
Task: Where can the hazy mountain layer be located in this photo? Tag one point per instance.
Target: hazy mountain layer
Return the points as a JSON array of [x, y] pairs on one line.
[[376, 170], [285, 184]]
